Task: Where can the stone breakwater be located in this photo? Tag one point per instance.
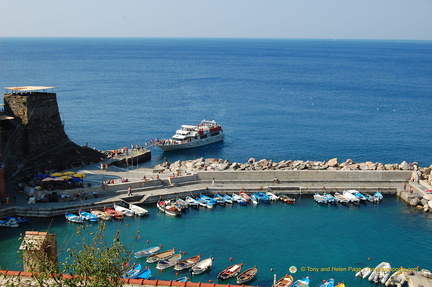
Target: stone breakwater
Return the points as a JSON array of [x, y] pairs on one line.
[[212, 164]]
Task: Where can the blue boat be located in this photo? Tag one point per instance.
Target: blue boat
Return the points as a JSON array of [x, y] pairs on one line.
[[204, 203], [301, 282], [228, 199], [327, 283], [378, 197], [330, 198], [145, 274], [182, 279], [74, 218], [263, 197], [319, 198], [219, 199], [88, 216], [360, 196], [208, 199], [133, 272], [237, 198], [18, 219]]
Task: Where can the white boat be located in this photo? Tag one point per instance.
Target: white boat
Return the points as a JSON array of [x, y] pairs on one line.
[[351, 197], [101, 214], [365, 272], [397, 279], [202, 266], [192, 202], [381, 273], [138, 210], [169, 262], [272, 195], [237, 198], [190, 136], [123, 210], [341, 199], [13, 223]]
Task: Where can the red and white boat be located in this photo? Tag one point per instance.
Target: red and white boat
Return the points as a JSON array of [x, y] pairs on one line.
[[189, 136]]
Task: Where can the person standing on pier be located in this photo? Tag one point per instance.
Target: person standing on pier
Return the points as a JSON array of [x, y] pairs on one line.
[[129, 190]]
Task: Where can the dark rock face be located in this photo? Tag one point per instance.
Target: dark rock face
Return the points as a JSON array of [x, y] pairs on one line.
[[36, 137]]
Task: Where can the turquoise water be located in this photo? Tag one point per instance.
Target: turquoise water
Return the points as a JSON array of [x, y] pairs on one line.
[[273, 237]]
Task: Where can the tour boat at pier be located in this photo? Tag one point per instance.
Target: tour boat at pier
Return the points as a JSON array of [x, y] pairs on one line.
[[189, 136]]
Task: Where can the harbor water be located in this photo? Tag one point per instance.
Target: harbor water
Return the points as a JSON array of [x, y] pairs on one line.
[[276, 99], [320, 241]]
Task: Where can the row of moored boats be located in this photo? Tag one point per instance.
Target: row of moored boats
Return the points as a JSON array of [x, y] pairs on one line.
[[383, 273], [347, 197], [176, 206], [118, 212], [13, 221]]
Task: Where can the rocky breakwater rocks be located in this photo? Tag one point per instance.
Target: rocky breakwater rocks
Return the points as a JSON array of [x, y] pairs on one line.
[[422, 202], [212, 164]]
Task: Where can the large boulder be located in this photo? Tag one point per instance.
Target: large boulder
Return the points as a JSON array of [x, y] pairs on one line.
[[333, 162]]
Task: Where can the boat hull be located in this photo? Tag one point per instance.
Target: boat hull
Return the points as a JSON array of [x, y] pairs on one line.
[[192, 144]]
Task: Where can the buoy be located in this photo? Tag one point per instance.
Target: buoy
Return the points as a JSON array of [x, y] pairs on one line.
[[147, 241], [160, 246], [177, 273], [271, 269], [184, 252], [230, 258], [369, 258], [210, 281]]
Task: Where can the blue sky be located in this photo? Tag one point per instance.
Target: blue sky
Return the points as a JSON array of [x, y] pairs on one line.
[[330, 19]]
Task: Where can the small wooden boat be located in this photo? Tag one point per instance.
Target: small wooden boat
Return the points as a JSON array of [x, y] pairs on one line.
[[247, 275], [245, 196], [133, 272], [327, 283], [301, 282], [145, 274], [147, 252], [341, 199], [18, 219], [168, 207], [9, 223], [285, 281], [219, 199], [377, 197], [263, 197], [113, 213], [88, 216], [237, 198], [74, 218], [254, 199], [187, 263], [100, 214], [192, 202], [285, 198], [202, 266], [228, 199], [182, 279], [123, 210], [230, 271], [138, 210], [318, 198], [169, 262], [160, 256]]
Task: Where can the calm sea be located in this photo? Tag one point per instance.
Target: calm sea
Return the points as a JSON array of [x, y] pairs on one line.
[[277, 99], [334, 239]]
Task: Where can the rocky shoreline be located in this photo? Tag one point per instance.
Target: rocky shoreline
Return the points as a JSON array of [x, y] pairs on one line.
[[212, 164]]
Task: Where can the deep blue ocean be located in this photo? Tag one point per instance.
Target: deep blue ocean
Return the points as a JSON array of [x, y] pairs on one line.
[[276, 99]]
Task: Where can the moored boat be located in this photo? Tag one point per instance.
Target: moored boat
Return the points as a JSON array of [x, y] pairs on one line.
[[182, 279], [113, 213], [190, 136], [340, 285], [145, 274], [272, 196], [285, 281], [329, 198], [381, 273], [365, 272], [237, 198], [245, 196], [357, 194], [160, 256], [378, 197], [247, 275], [219, 199], [18, 219], [327, 283], [228, 199], [100, 214], [74, 218], [301, 282], [133, 272], [147, 251], [192, 202], [204, 203], [88, 216], [254, 199], [138, 210], [319, 198], [123, 210], [168, 207], [187, 263], [285, 198], [398, 278], [229, 272], [12, 223], [208, 200], [169, 262], [263, 197], [341, 199], [351, 197], [202, 266]]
